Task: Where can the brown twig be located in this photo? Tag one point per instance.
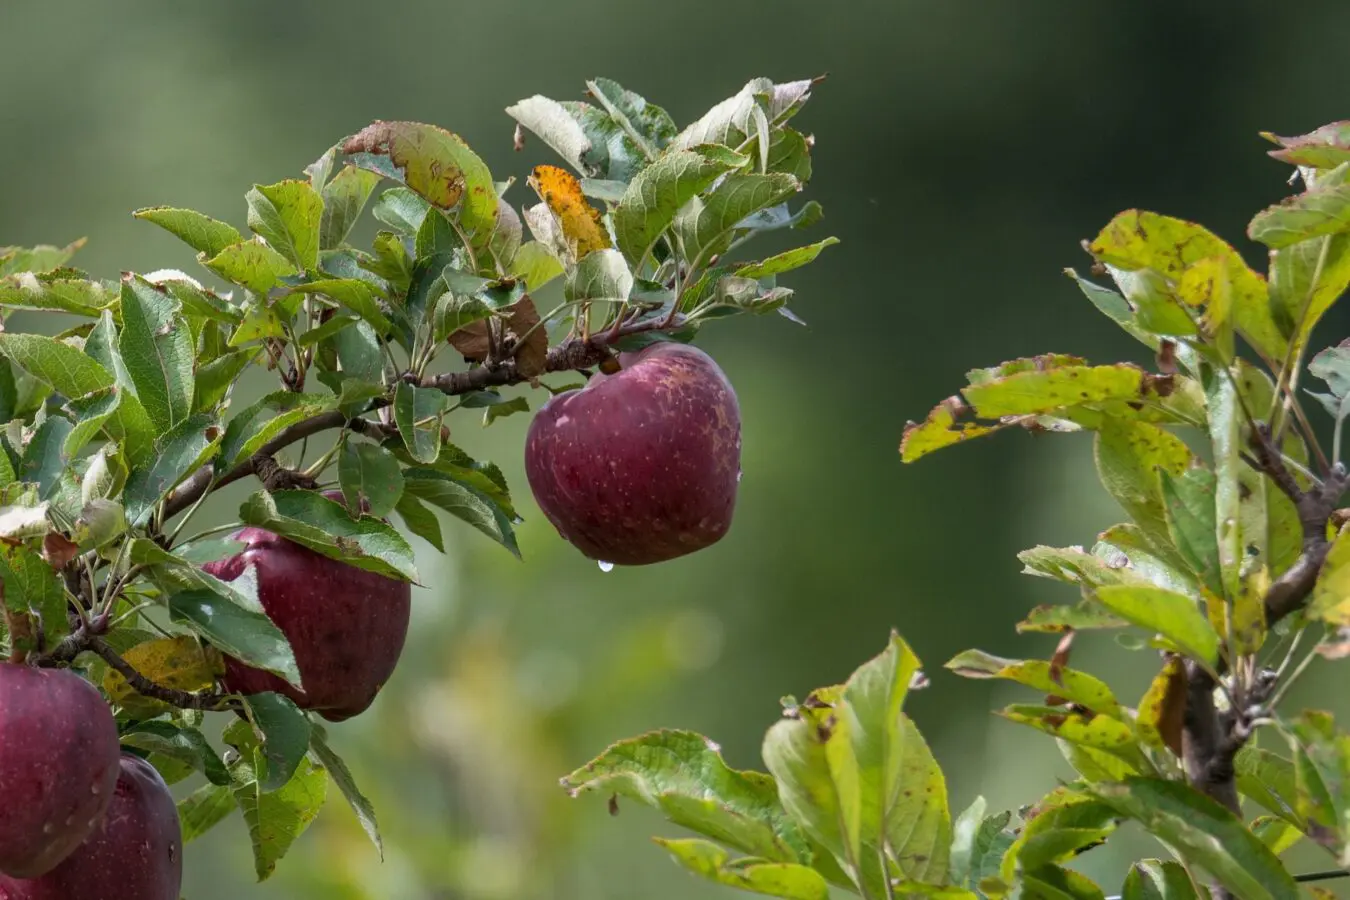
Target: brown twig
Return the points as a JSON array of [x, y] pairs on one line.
[[573, 354], [1212, 741]]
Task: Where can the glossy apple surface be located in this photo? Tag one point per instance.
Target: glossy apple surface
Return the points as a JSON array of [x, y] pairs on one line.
[[640, 466]]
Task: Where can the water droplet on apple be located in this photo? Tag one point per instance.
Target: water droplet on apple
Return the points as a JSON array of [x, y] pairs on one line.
[[606, 566], [739, 473]]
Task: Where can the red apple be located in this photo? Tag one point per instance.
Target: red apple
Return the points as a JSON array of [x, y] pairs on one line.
[[640, 466], [58, 766], [346, 626], [136, 853]]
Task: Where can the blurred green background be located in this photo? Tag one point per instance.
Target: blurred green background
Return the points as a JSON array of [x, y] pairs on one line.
[[963, 150]]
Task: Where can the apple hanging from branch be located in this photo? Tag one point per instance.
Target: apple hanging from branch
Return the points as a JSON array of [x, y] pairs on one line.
[[640, 466]]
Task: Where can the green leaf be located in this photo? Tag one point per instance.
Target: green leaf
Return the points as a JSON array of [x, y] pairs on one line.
[[1203, 833], [203, 809], [555, 126], [659, 191], [343, 199], [813, 758], [276, 818], [1127, 545], [64, 290], [1306, 278], [402, 210], [455, 311], [1173, 615], [42, 258], [254, 426], [1189, 506], [1225, 430], [260, 321], [285, 738], [44, 461], [419, 412], [1115, 307], [601, 275], [435, 236], [1130, 456], [67, 370], [1152, 879], [358, 351], [1029, 392], [704, 224], [342, 777], [200, 232], [535, 264], [1138, 239], [420, 520], [989, 845], [462, 501], [287, 216], [1067, 826], [31, 584], [774, 879], [178, 454], [215, 379], [439, 166], [1322, 768], [1270, 780], [369, 474], [683, 775], [324, 526], [242, 633], [158, 352], [786, 261], [252, 264], [1078, 687], [1325, 209], [357, 295], [902, 791], [650, 126], [184, 744], [1057, 883], [729, 122]]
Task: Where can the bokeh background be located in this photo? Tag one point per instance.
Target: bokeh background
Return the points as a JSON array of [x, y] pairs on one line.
[[964, 148]]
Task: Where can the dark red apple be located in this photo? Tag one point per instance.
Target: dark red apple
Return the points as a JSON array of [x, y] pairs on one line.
[[136, 853], [58, 766], [347, 626], [640, 466]]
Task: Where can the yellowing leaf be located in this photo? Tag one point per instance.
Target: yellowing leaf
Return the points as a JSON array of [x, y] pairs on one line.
[[1163, 707], [178, 662], [1138, 239], [580, 221], [939, 430], [1331, 596]]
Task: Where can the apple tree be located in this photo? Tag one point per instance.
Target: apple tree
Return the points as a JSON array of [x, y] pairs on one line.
[[138, 643], [1231, 570]]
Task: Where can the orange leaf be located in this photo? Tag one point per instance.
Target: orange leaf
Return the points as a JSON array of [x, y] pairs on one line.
[[580, 221]]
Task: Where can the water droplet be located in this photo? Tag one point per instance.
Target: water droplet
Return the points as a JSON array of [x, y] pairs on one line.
[[606, 566], [739, 473]]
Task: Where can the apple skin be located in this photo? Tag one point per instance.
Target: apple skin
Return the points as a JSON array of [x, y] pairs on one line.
[[136, 853], [346, 626], [640, 466], [58, 766]]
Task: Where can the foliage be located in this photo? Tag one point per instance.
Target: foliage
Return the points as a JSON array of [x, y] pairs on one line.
[[1231, 565], [121, 426]]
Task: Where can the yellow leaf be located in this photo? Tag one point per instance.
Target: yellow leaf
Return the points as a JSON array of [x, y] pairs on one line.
[[1163, 707], [580, 221], [177, 662]]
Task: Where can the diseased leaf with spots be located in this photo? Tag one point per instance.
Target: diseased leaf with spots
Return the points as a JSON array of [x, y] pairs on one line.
[[178, 662], [1070, 684], [1163, 708], [578, 220], [251, 264]]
